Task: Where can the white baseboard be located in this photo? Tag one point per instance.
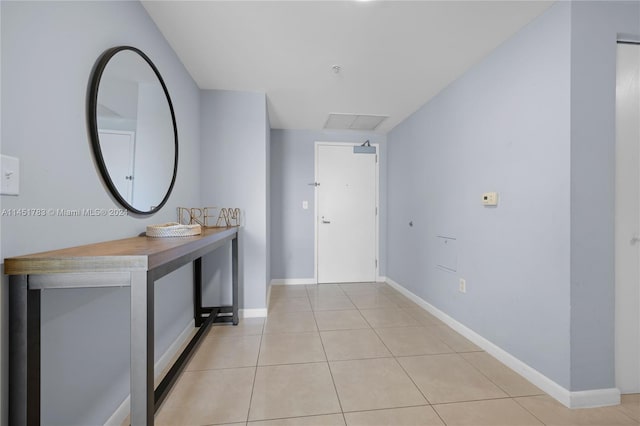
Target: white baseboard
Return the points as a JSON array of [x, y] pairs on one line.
[[582, 399], [121, 413], [595, 398], [293, 281], [165, 360], [253, 313], [268, 296], [307, 281]]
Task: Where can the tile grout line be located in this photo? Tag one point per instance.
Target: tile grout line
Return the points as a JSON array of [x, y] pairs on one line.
[[508, 396], [335, 388], [392, 355], [405, 371], [255, 373], [401, 367], [288, 418], [485, 375], [390, 351], [386, 409], [527, 410], [417, 387], [619, 409], [409, 376], [396, 358], [625, 414], [502, 398]]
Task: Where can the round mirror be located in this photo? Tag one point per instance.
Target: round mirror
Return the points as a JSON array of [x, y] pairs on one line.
[[133, 129]]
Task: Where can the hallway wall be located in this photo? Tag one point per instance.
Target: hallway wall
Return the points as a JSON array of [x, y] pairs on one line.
[[504, 126], [534, 121], [234, 172], [48, 51]]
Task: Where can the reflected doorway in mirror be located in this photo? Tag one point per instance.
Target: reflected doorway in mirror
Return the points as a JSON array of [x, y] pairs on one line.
[[118, 148]]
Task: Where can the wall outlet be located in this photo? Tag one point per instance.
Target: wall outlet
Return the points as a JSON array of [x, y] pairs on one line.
[[305, 205], [462, 286]]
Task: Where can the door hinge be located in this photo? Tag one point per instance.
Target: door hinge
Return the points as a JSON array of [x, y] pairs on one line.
[[376, 211], [376, 158], [376, 263]]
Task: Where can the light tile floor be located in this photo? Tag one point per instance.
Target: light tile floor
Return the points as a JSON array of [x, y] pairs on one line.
[[359, 354]]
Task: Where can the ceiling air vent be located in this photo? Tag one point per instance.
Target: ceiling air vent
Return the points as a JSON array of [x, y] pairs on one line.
[[354, 121]]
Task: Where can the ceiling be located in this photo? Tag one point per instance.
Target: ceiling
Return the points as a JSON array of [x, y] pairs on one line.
[[393, 55]]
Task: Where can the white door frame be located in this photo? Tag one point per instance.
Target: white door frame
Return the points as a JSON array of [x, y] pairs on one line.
[[315, 213], [627, 222]]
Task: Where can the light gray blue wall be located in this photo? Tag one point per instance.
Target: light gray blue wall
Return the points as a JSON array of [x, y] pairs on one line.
[[48, 51], [594, 29], [234, 174], [504, 126], [292, 169]]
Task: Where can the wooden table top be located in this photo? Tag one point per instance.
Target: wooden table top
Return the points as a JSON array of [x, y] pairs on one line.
[[130, 254]]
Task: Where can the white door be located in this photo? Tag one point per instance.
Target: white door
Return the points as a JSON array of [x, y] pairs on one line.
[[627, 220], [346, 214], [118, 150]]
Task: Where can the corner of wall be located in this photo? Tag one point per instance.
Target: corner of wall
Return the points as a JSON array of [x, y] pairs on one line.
[[226, 118]]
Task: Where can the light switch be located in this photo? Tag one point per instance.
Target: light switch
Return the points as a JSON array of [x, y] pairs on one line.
[[305, 205], [10, 175], [490, 198]]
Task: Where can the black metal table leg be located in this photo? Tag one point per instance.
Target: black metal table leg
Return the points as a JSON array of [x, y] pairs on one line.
[[234, 278], [24, 352], [197, 292]]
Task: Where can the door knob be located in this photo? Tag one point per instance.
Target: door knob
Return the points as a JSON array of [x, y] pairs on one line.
[[325, 221]]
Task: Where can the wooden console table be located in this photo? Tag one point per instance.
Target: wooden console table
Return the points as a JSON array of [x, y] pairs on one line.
[[134, 262]]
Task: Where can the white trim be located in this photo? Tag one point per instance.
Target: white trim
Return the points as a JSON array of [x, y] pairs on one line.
[[315, 203], [315, 211], [121, 413], [293, 281], [595, 398], [253, 313], [626, 223], [381, 279], [269, 296], [165, 360], [582, 399]]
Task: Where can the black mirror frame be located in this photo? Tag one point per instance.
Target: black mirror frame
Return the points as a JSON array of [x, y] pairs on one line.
[[92, 119]]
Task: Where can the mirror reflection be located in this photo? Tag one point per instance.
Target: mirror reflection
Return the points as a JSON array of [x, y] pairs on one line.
[[135, 127]]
